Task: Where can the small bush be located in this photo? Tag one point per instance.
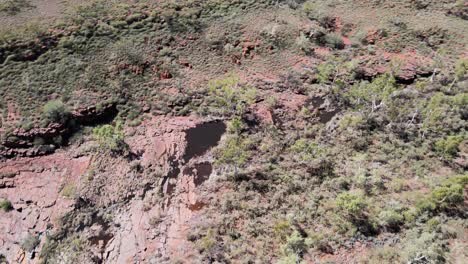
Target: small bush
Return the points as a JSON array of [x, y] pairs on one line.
[[291, 259], [227, 96], [373, 95], [55, 112], [448, 197], [425, 205], [282, 229], [111, 137], [207, 242], [295, 244], [6, 205], [386, 254], [458, 179], [353, 205], [449, 147], [325, 72], [234, 152], [128, 52], [443, 113], [352, 121], [307, 149], [12, 7], [425, 247], [303, 43], [30, 243], [334, 41], [390, 219], [69, 191], [235, 126], [461, 68]]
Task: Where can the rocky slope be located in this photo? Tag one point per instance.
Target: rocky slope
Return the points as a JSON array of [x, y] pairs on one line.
[[234, 131], [46, 188]]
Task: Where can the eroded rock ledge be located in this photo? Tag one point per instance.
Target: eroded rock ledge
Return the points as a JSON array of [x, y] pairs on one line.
[[22, 143]]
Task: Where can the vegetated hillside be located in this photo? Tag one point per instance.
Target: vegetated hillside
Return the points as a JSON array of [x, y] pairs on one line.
[[234, 131]]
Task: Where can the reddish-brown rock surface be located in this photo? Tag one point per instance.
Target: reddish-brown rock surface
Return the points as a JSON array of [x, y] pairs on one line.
[[153, 223], [35, 193]]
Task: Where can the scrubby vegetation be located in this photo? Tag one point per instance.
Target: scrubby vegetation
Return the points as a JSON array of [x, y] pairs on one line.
[[55, 112], [6, 205], [30, 243], [111, 137], [12, 7], [338, 140]]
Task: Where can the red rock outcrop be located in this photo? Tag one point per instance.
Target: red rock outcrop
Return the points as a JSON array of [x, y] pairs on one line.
[[406, 66], [152, 211], [20, 142], [35, 193]]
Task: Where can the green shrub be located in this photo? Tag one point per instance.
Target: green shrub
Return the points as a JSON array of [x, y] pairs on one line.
[[351, 204], [227, 96], [118, 24], [457, 179], [449, 147], [69, 191], [90, 12], [461, 68], [386, 254], [373, 95], [295, 244], [390, 219], [6, 205], [352, 121], [13, 7], [443, 113], [30, 243], [135, 17], [424, 204], [55, 112], [303, 43], [307, 149], [433, 224], [448, 197], [325, 72], [290, 259], [309, 7], [111, 137], [293, 249], [235, 126], [443, 198], [282, 229], [334, 41], [235, 152], [72, 248], [425, 246], [126, 51], [207, 242], [26, 124]]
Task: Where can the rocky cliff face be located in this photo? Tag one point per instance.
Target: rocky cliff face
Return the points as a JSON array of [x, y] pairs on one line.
[[34, 189], [145, 204], [22, 143]]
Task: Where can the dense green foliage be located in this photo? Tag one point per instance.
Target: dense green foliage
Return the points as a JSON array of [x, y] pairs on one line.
[[6, 205], [111, 137], [55, 112]]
